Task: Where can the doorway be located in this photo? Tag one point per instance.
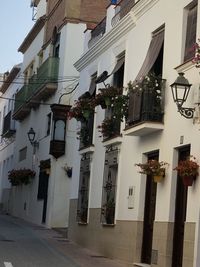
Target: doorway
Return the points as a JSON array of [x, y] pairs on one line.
[[180, 214], [149, 214], [43, 192]]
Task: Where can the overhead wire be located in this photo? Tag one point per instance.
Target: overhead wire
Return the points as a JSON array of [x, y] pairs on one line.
[[35, 102]]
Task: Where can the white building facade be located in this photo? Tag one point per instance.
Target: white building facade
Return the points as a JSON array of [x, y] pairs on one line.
[[50, 49], [150, 223], [9, 87]]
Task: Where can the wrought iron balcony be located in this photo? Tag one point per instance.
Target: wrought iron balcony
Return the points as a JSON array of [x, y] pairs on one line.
[[146, 110], [8, 126], [97, 32], [40, 87], [86, 132], [125, 7]]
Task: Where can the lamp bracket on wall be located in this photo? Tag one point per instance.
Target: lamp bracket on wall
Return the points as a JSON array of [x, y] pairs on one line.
[[188, 113], [180, 91]]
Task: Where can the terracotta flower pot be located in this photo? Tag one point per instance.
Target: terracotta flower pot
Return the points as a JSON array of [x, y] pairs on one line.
[[188, 180], [158, 178]]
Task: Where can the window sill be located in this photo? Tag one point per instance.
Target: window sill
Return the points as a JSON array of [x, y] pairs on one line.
[[185, 66], [89, 149], [113, 141], [82, 223]]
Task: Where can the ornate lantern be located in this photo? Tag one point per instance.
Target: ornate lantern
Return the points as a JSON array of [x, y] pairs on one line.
[[180, 90]]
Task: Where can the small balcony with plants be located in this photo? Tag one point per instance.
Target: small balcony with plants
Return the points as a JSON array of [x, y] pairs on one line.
[[83, 111], [146, 106], [116, 104], [39, 88]]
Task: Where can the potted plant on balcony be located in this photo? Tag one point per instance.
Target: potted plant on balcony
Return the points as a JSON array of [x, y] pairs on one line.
[[107, 96], [21, 176], [82, 109], [153, 168], [188, 170], [108, 128]]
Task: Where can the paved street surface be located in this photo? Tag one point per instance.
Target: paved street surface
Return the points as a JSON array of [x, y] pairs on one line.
[[23, 244]]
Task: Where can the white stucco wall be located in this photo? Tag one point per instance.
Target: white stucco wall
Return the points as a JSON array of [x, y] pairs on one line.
[[136, 43]]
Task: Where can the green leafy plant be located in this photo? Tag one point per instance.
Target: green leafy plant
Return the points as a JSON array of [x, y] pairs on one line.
[[82, 109], [188, 167], [107, 96], [152, 167], [109, 128], [151, 81], [21, 176]]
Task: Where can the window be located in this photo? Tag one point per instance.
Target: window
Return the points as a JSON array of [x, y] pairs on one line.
[[86, 131], [40, 58], [147, 104], [26, 77], [56, 45], [29, 72], [83, 194], [191, 32], [48, 123], [22, 153], [118, 80], [118, 72], [109, 186]]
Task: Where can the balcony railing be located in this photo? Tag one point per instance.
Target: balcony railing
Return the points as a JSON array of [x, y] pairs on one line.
[[8, 126], [146, 105], [97, 33], [86, 132], [125, 7], [40, 87]]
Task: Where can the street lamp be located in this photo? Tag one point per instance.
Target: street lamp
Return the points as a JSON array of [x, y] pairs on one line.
[[180, 90], [31, 138]]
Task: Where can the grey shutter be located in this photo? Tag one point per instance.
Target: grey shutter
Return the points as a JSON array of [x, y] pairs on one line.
[[92, 85], [191, 33], [152, 54], [135, 104], [118, 65]]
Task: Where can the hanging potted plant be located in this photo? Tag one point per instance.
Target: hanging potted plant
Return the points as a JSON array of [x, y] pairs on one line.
[[188, 170], [82, 109], [154, 168], [21, 176], [109, 128], [107, 96]]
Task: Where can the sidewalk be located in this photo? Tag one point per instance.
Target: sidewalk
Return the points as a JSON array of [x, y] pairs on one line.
[[81, 256]]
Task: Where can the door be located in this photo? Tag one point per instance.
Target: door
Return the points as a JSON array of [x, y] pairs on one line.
[[43, 192], [180, 215], [149, 215]]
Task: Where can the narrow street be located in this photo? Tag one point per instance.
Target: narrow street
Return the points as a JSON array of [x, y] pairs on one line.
[[23, 244]]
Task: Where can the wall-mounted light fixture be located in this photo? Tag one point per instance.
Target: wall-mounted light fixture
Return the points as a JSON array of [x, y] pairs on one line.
[[180, 90], [31, 138]]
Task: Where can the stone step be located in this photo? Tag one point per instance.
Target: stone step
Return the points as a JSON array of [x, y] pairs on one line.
[[141, 265]]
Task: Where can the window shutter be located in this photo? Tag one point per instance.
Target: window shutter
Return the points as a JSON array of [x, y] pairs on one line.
[[152, 54], [135, 103], [191, 33]]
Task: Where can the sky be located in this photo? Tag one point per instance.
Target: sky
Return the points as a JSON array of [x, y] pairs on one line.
[[15, 23]]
